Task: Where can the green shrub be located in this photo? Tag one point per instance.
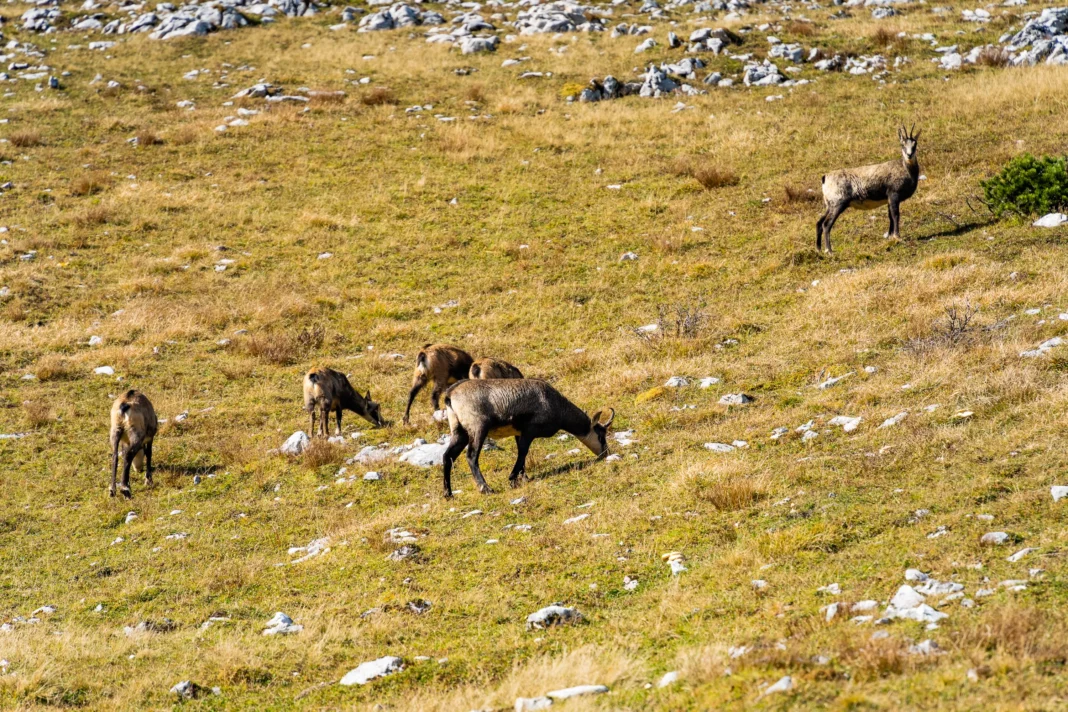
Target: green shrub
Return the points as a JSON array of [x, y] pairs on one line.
[[1028, 186]]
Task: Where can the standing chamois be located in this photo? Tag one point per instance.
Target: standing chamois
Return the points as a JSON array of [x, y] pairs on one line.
[[870, 187], [133, 426], [328, 391], [442, 364], [493, 368], [525, 408]]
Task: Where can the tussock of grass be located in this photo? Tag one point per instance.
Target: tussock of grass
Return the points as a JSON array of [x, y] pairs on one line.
[[709, 176], [37, 414], [90, 183], [378, 96], [26, 138], [53, 367]]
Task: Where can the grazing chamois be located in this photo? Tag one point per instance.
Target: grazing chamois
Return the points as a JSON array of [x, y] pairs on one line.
[[442, 364], [327, 391], [870, 187], [493, 368], [133, 427], [525, 408]]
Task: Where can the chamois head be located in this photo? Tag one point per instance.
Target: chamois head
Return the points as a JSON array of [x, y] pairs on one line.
[[908, 141], [372, 411], [597, 439]]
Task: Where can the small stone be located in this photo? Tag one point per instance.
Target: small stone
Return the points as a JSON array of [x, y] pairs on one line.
[[281, 624], [296, 443], [668, 679], [994, 538], [785, 684], [368, 671], [551, 616]]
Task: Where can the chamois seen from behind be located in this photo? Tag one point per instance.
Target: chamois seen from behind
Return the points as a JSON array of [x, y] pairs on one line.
[[525, 408], [133, 428], [328, 391], [441, 364], [493, 368], [870, 187]]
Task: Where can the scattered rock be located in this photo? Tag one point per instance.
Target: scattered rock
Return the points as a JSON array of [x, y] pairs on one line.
[[1058, 492], [676, 561], [785, 684], [735, 399], [426, 455], [297, 443], [368, 671], [1051, 220], [994, 539], [551, 616], [669, 678], [848, 424], [281, 624]]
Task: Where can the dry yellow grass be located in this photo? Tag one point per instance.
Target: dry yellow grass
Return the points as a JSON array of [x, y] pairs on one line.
[[510, 215]]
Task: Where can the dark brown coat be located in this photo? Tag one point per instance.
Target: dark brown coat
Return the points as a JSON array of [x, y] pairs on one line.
[[328, 391], [493, 368], [441, 364], [524, 408], [133, 428]]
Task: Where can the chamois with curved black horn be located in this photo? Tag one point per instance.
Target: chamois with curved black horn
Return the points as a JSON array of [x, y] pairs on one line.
[[870, 187], [525, 408]]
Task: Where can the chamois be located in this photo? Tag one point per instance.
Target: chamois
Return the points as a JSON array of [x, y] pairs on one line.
[[526, 408], [493, 368], [442, 364], [870, 187], [328, 391], [133, 427]]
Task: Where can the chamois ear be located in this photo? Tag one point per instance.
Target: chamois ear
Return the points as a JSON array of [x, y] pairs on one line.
[[611, 417], [595, 419], [901, 134], [368, 396], [916, 136]]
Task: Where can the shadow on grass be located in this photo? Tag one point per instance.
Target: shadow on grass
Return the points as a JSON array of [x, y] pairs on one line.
[[561, 469], [185, 470], [957, 229]]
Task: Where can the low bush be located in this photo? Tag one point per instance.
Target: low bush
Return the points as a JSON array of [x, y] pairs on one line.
[[1028, 186]]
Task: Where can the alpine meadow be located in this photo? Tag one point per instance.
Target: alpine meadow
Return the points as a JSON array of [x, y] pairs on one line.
[[719, 466]]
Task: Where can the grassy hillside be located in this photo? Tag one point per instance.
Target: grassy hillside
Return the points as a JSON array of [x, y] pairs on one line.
[[507, 210]]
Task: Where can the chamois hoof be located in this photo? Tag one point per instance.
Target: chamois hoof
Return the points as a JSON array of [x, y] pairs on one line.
[[126, 492], [485, 489], [515, 482], [111, 491], [447, 494]]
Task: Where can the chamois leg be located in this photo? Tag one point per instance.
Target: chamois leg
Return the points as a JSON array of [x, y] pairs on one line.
[[339, 420], [418, 382], [457, 443], [519, 472], [819, 231], [895, 217], [478, 439], [324, 421], [311, 428], [148, 464], [131, 453], [115, 437], [435, 395], [832, 215]]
